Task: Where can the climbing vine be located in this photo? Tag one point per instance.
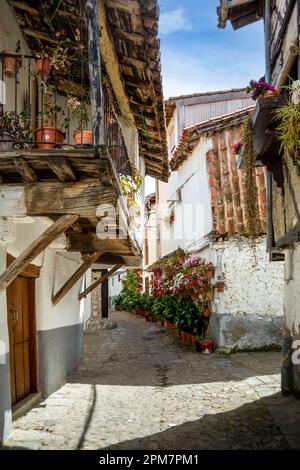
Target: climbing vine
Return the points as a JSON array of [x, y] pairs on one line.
[[254, 223]]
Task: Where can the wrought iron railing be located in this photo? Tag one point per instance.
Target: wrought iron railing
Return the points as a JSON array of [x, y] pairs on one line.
[[42, 108]]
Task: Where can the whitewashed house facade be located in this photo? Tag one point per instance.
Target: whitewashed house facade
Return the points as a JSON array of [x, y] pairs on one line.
[[205, 193]]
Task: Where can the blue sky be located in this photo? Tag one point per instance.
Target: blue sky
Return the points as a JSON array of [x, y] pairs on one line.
[[198, 57]]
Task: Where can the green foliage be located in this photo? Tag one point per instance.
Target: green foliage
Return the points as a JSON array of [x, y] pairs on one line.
[[254, 224], [288, 130]]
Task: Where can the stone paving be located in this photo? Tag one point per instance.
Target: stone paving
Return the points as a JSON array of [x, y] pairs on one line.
[[139, 388]]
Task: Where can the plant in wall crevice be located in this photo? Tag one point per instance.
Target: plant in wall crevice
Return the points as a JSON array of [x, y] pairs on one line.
[[255, 226]]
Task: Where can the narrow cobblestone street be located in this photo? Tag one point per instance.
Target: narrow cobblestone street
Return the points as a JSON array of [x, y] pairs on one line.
[[139, 388]]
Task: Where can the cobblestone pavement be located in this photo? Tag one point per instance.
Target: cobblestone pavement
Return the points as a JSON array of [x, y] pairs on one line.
[[139, 388]]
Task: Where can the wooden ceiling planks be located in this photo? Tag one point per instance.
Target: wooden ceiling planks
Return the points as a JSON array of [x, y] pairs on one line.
[[134, 27]]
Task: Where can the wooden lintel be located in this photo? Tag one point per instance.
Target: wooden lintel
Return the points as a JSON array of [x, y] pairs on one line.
[[57, 198], [136, 38], [35, 248], [25, 7], [25, 170], [40, 35], [90, 242], [62, 168], [99, 281], [90, 260]]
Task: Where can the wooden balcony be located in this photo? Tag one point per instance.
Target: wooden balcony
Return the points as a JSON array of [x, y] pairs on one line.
[[78, 182]]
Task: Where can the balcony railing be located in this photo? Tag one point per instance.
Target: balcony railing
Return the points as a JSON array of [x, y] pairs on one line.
[[42, 108]]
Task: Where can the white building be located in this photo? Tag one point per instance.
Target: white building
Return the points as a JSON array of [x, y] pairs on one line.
[[206, 197]]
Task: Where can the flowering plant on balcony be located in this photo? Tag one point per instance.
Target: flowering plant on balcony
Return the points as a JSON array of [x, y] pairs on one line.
[[259, 88], [237, 147]]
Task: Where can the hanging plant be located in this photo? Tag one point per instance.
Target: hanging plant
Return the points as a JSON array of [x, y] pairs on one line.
[[254, 224], [237, 147], [288, 130]]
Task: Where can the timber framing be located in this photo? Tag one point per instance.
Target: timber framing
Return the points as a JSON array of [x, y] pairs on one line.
[[64, 182], [130, 59], [35, 248], [99, 281]]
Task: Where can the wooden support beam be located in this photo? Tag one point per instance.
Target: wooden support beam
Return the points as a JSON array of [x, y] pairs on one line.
[[90, 260], [25, 170], [95, 70], [137, 39], [90, 242], [35, 248], [25, 7], [99, 281], [58, 198], [62, 168], [40, 35]]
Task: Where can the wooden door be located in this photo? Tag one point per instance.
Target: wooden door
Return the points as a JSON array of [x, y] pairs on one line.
[[22, 337]]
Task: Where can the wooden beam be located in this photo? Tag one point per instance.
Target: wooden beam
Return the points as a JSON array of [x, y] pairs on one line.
[[58, 198], [90, 260], [99, 281], [25, 170], [90, 242], [35, 248], [23, 6], [95, 70], [136, 38], [62, 168], [40, 35]]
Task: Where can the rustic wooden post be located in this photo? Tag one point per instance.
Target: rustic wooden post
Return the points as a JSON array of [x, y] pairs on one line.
[[99, 281], [91, 259], [104, 296], [95, 70], [35, 248]]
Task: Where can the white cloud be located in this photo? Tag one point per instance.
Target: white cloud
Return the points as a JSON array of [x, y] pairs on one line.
[[173, 21]]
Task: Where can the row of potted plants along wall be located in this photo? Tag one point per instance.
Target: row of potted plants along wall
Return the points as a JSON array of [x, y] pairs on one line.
[[182, 290]]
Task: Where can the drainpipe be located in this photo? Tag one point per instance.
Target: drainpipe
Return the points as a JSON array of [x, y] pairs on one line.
[[267, 17], [267, 21], [270, 228]]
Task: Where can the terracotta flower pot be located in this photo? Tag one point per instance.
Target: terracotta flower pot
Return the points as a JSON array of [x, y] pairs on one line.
[[83, 137], [43, 67], [221, 288], [268, 94], [183, 337], [6, 145], [179, 334], [11, 65], [193, 339], [195, 296], [46, 134]]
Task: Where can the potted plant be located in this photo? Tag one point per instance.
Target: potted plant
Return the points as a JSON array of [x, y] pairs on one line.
[[82, 136], [11, 63], [50, 133], [43, 65], [13, 130], [220, 284], [260, 88]]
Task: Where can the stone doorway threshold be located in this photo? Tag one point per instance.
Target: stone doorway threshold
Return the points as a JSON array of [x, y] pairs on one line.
[[25, 405]]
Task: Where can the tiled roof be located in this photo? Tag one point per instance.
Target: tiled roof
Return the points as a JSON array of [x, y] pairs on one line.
[[191, 135]]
